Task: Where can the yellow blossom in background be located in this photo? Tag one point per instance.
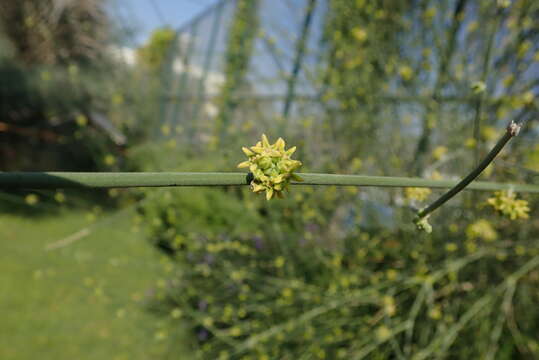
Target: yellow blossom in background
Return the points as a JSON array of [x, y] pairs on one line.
[[176, 313], [470, 143], [165, 130], [506, 203], [207, 322], [389, 305], [359, 34], [45, 75], [520, 250], [489, 133], [523, 48], [429, 14], [528, 97], [59, 197], [383, 333], [478, 87], [81, 120], [160, 335], [417, 194], [472, 26], [117, 99], [271, 166], [279, 262], [508, 80], [356, 164], [73, 70], [439, 152], [435, 175], [31, 199], [406, 72], [451, 247], [109, 160], [235, 331], [435, 313], [504, 3], [481, 229]]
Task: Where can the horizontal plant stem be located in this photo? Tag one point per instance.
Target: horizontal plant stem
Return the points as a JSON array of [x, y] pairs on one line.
[[57, 180]]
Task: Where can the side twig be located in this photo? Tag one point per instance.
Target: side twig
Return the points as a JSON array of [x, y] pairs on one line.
[[422, 216]]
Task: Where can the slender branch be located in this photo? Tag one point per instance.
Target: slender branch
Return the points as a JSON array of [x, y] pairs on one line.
[[56, 180], [511, 131]]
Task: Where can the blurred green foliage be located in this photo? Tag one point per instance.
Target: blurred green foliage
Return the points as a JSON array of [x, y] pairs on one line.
[[341, 272], [313, 276], [240, 45], [65, 99], [392, 88], [154, 53]]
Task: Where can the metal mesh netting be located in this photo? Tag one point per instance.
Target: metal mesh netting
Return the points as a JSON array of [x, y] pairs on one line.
[[323, 71]]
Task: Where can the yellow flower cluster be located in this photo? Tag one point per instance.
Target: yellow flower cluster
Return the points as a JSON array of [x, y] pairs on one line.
[[271, 167], [507, 204], [230, 245]]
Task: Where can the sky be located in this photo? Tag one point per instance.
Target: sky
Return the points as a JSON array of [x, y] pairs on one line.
[[143, 16]]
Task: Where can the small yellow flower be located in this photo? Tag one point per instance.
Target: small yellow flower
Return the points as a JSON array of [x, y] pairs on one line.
[[109, 160], [383, 333], [235, 331], [506, 203], [59, 197], [176, 313], [451, 247], [470, 143], [287, 293], [439, 152], [389, 305], [31, 199], [489, 133], [359, 34], [81, 120], [279, 262], [207, 322], [435, 313], [271, 166], [478, 87], [406, 72]]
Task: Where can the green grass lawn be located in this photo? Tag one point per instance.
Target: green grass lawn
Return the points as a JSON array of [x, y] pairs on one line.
[[82, 301]]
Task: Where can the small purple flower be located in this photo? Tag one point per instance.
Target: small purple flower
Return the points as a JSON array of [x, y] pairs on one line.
[[202, 305], [202, 335], [259, 242], [209, 259]]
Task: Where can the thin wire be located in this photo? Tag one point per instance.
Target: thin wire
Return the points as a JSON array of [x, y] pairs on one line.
[[159, 13], [508, 165]]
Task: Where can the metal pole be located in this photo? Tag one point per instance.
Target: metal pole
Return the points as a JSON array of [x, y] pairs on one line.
[[300, 51], [201, 98], [186, 63]]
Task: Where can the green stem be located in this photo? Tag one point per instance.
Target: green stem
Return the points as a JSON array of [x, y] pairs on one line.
[[512, 130], [55, 180]]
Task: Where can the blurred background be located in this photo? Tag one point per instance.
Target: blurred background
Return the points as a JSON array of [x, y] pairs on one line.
[[379, 87]]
